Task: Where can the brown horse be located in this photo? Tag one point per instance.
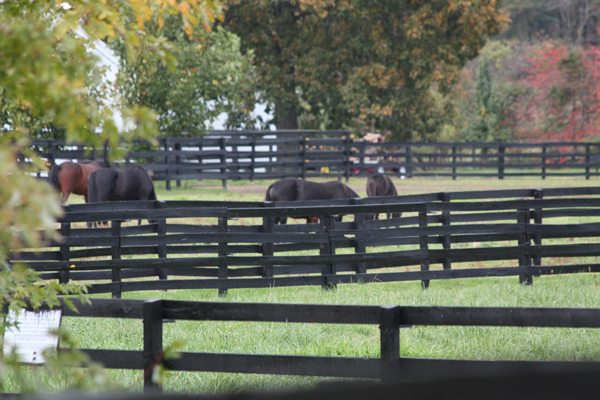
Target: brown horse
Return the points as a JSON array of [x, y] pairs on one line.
[[70, 177], [292, 189], [381, 185]]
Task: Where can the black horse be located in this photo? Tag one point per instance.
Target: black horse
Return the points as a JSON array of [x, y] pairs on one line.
[[112, 184], [381, 185], [292, 189]]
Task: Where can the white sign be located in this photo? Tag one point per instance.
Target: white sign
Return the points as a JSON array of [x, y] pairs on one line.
[[31, 335]]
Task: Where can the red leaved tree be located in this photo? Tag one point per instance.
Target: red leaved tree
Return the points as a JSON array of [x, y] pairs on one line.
[[562, 97]]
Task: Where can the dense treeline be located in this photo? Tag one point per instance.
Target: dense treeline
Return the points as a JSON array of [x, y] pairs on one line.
[[535, 82]]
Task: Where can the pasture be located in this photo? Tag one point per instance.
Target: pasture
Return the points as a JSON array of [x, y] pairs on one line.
[[577, 290]]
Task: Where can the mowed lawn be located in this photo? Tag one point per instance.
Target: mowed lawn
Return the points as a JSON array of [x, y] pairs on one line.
[[579, 290]]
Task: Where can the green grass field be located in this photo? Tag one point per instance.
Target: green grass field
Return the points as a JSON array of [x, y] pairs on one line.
[[579, 290]]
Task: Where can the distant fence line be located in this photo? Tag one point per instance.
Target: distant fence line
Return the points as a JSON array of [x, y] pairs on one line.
[[388, 367], [235, 155], [229, 245]]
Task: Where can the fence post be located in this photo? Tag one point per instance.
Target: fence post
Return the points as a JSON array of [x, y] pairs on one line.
[[105, 154], [347, 155], [303, 156], [523, 218], [537, 219], [409, 165], [161, 231], [51, 156], [501, 150], [167, 162], [235, 160], [454, 151], [446, 238], [223, 159], [223, 256], [153, 346], [544, 151], [115, 252], [359, 244], [252, 158], [64, 251], [272, 157], [327, 248], [423, 245], [361, 158], [268, 248], [389, 326], [177, 147], [587, 161]]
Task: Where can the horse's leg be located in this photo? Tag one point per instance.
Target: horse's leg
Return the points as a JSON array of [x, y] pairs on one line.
[[64, 198]]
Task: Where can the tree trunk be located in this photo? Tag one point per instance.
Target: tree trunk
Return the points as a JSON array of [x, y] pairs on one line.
[[286, 115]]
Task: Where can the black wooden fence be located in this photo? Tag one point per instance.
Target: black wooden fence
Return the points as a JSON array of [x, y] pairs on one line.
[[389, 366], [249, 155], [229, 245], [581, 385]]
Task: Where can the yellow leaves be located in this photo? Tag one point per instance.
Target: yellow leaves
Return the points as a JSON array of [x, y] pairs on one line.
[[184, 8], [413, 33], [215, 82]]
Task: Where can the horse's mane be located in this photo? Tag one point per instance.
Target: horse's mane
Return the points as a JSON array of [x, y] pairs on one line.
[[371, 187], [348, 191]]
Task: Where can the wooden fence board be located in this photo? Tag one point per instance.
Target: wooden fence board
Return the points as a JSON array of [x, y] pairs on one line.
[[252, 248], [342, 367], [391, 319]]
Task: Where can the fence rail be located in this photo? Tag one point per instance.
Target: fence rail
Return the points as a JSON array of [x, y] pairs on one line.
[[389, 366], [250, 155], [230, 245]]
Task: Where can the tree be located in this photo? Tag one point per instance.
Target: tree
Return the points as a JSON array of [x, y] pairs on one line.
[[562, 102], [488, 112], [48, 78], [573, 22], [361, 64], [211, 76], [577, 19]]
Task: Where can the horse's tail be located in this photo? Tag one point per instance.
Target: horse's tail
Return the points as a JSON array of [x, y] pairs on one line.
[[53, 176], [268, 194], [371, 187], [92, 188], [152, 195], [393, 191]]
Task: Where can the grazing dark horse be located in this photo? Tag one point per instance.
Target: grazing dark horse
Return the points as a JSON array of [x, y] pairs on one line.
[[292, 189], [70, 177], [112, 184], [381, 185]]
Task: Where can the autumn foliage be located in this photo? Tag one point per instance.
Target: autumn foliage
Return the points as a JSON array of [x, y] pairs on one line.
[[562, 97], [363, 65]]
